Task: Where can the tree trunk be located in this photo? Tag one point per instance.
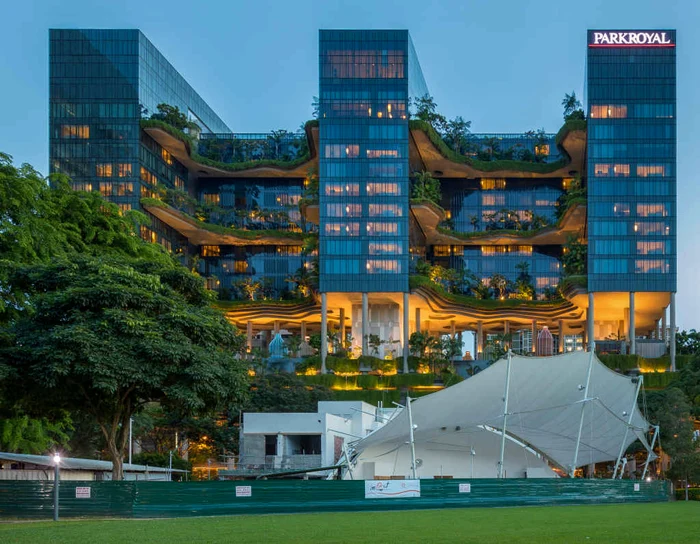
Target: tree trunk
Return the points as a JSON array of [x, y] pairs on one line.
[[117, 462]]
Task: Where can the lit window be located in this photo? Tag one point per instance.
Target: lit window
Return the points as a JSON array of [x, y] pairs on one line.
[[608, 111], [124, 207], [179, 183], [147, 177], [124, 189], [441, 251], [211, 198], [658, 228], [146, 192], [123, 170], [211, 251], [652, 266], [385, 248], [81, 186], [240, 267], [106, 188], [376, 266], [646, 171], [493, 200], [621, 170], [148, 235], [380, 229], [488, 184], [75, 131], [353, 210], [653, 210], [651, 248], [542, 150], [103, 170], [383, 189], [166, 156], [342, 229], [381, 153], [602, 169], [385, 210]]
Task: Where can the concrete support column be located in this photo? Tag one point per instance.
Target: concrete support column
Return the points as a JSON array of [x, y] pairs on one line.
[[417, 319], [663, 325], [534, 336], [427, 326], [365, 324], [672, 335], [453, 329], [590, 334], [266, 341], [479, 339], [560, 347], [324, 332], [342, 328], [276, 328], [249, 335], [303, 331], [406, 318], [632, 333]]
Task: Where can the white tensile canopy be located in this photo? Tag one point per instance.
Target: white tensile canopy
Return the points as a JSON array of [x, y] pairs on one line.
[[569, 408]]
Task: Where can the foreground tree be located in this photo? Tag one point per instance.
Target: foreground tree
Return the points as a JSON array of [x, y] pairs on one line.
[[105, 337]]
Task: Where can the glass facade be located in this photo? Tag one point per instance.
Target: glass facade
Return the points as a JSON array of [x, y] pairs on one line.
[[363, 167], [101, 83], [488, 204], [631, 165]]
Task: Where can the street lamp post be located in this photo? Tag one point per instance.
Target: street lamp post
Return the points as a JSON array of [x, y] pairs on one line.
[[56, 484]]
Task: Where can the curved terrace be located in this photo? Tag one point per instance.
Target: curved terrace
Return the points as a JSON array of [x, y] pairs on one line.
[[201, 233], [435, 156], [180, 146], [429, 216]]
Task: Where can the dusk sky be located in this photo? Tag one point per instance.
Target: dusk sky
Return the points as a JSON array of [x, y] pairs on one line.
[[503, 65]]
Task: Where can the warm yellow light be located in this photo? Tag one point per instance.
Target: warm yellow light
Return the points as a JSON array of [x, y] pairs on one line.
[[369, 111], [388, 108], [379, 114], [251, 372]]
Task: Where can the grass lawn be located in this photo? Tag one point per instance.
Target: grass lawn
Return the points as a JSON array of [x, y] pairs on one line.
[[633, 523]]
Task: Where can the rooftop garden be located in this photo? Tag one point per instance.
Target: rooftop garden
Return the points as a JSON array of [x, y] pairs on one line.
[[463, 287], [242, 233], [454, 141], [233, 154]]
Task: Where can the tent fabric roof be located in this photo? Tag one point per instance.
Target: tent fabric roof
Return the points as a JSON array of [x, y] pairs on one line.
[[545, 402], [71, 463]]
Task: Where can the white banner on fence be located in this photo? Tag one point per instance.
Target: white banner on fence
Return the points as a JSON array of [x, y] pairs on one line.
[[82, 492], [465, 488], [391, 489], [244, 491]]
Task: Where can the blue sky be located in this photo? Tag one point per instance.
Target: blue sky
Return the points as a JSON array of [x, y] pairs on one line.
[[504, 65]]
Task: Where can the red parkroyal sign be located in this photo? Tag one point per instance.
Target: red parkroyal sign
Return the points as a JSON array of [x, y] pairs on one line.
[[641, 38]]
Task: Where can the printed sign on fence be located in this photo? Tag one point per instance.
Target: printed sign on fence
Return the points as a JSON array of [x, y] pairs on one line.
[[465, 488], [244, 491], [391, 489], [82, 492], [636, 487]]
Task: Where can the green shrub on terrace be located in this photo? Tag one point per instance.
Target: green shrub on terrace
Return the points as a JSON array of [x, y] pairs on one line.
[[416, 282], [659, 380], [497, 165], [231, 167], [238, 233]]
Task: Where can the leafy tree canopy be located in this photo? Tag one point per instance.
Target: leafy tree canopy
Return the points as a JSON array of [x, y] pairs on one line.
[[107, 337], [173, 116]]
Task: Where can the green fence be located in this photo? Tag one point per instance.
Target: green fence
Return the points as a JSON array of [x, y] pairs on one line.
[[180, 499]]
